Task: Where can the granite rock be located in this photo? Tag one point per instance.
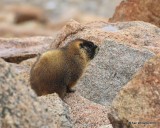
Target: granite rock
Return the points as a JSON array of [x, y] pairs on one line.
[[138, 10], [137, 104], [20, 107], [111, 69]]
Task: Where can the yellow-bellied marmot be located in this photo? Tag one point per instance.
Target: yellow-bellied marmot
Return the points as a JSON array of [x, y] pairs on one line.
[[58, 70]]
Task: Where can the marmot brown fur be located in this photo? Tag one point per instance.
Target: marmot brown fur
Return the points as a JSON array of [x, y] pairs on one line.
[[59, 70]]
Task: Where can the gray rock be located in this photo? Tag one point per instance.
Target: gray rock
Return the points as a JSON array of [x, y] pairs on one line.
[[20, 107], [58, 109], [137, 103], [110, 70]]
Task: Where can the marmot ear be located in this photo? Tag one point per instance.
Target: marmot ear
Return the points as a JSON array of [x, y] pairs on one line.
[[81, 45]]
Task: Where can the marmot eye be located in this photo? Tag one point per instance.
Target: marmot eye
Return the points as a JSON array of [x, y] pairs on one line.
[[90, 46], [86, 45]]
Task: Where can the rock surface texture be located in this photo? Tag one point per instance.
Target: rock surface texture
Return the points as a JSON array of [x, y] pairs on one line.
[[141, 10], [137, 104], [20, 107]]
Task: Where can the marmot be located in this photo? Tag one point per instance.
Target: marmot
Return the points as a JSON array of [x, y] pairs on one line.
[[59, 70]]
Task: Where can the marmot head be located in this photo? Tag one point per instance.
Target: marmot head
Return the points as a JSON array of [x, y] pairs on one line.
[[83, 48], [90, 48]]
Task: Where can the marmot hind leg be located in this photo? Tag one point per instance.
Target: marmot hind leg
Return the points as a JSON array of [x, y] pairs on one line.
[[69, 87], [70, 90], [61, 91]]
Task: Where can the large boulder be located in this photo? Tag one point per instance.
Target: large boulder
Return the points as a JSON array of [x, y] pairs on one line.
[[137, 104], [142, 10], [20, 107], [111, 69], [124, 47]]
